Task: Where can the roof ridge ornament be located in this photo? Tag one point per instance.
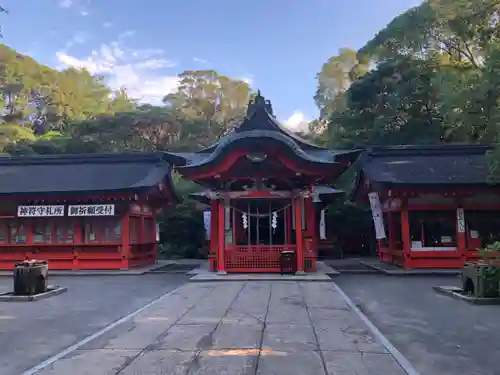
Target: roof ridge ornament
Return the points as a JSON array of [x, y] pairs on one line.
[[259, 102]]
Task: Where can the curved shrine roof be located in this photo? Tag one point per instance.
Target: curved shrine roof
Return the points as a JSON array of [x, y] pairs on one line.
[[259, 129], [83, 173], [416, 166]]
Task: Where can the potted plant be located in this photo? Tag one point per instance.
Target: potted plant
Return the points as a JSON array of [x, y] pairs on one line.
[[482, 278]]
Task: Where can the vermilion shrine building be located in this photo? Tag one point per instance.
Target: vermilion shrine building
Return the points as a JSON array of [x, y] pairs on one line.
[[437, 205], [82, 211], [265, 188], [264, 185]]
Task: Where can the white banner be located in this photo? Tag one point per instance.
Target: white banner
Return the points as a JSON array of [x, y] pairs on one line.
[[378, 218], [40, 211], [322, 225], [461, 220], [206, 223], [91, 210]]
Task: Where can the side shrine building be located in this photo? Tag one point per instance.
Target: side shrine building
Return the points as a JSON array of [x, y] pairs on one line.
[[264, 185], [81, 212], [437, 205]]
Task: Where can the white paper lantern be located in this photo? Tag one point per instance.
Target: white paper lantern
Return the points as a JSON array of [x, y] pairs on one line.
[[245, 221], [274, 220]]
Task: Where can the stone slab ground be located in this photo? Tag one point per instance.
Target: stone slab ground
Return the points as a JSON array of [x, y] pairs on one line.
[[235, 328], [31, 332], [439, 335]]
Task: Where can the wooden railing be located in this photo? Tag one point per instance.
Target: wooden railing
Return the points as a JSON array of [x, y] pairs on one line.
[[254, 258]]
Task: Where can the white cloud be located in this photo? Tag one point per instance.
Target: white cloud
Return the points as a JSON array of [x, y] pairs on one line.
[[107, 25], [199, 60], [84, 13], [126, 34], [134, 70], [65, 3], [247, 80], [297, 122]]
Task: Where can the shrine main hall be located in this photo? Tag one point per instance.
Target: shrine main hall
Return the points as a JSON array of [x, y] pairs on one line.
[[266, 190]]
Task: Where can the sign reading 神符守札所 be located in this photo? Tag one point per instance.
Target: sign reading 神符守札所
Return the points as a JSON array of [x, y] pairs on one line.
[[91, 210], [40, 211]]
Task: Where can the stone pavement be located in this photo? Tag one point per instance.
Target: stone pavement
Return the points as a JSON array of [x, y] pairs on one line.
[[237, 328]]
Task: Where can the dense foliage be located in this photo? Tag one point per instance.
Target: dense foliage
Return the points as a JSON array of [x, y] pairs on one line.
[[47, 111], [431, 75]]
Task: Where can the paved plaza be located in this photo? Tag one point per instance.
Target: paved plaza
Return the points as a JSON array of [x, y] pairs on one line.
[[236, 328], [437, 334], [31, 332]]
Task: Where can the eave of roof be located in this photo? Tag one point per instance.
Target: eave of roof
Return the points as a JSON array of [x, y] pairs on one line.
[[23, 175], [422, 157]]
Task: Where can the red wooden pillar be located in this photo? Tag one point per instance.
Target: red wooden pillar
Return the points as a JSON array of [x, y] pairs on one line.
[[221, 240], [299, 235], [212, 257], [391, 243], [78, 238], [405, 235], [288, 226], [461, 234], [152, 241], [125, 248], [312, 225], [213, 226]]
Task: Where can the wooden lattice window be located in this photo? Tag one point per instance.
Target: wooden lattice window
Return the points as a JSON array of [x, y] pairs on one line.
[[18, 232], [135, 229], [4, 231], [149, 230], [43, 230], [101, 230], [65, 231]]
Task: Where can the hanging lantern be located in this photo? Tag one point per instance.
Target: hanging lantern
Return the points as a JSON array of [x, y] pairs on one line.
[[245, 221], [274, 220]]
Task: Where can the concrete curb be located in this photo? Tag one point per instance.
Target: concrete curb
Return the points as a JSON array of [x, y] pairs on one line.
[[9, 297], [249, 278], [453, 292], [396, 354], [130, 272], [413, 272]]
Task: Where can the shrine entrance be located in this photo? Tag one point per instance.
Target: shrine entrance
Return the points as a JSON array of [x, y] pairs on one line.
[[260, 183], [262, 229], [261, 222]]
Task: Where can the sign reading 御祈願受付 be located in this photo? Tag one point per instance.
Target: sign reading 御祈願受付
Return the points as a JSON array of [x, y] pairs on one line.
[[40, 211], [91, 210]]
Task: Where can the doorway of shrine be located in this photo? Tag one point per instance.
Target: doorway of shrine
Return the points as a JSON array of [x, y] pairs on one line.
[[257, 232]]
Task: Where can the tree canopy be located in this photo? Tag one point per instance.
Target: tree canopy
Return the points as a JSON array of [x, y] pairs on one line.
[[429, 76]]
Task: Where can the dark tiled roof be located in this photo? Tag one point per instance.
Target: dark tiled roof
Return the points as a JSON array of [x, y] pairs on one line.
[[84, 173], [446, 164], [259, 130]]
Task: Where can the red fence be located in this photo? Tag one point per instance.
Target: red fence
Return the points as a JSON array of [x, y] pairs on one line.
[[253, 258]]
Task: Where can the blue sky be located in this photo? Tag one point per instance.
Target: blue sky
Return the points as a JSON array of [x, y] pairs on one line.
[[277, 45]]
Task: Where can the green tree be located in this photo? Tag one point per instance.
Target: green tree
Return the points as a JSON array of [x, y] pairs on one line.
[[210, 105]]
